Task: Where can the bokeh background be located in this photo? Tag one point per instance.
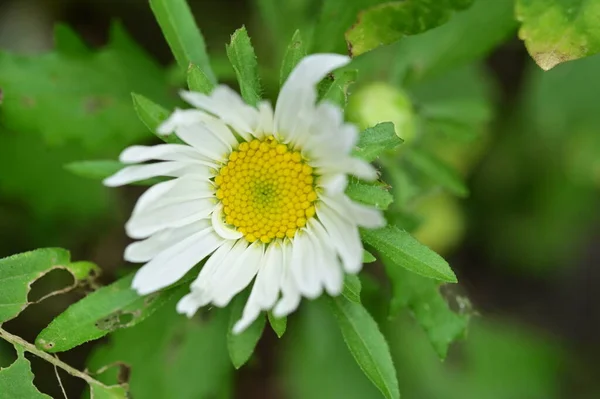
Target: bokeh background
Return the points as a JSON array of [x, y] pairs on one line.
[[524, 243]]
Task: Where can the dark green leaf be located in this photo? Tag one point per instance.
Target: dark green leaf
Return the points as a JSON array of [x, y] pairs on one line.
[[295, 51], [279, 325], [185, 39], [556, 31], [198, 81], [401, 249], [376, 140], [16, 381], [241, 346], [375, 194], [242, 57], [352, 288], [67, 42], [334, 88], [152, 115], [103, 311], [437, 171], [18, 272], [367, 345]]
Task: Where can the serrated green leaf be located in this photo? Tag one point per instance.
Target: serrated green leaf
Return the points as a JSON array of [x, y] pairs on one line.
[[375, 194], [241, 346], [352, 287], [334, 88], [66, 41], [18, 272], [423, 298], [376, 140], [103, 311], [367, 345], [368, 257], [181, 32], [556, 31], [242, 58], [152, 115], [101, 169], [403, 250], [388, 22], [278, 324], [437, 171], [198, 81], [99, 391], [295, 51], [16, 381]]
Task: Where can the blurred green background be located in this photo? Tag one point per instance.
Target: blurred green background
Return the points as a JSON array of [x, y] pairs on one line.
[[523, 243]]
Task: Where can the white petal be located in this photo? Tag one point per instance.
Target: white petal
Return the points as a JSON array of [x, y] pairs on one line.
[[347, 164], [333, 183], [172, 264], [136, 173], [162, 152], [265, 120], [222, 257], [290, 293], [144, 224], [143, 251], [362, 215], [331, 270], [293, 112], [191, 117], [221, 228], [189, 304], [304, 266], [343, 235], [204, 141]]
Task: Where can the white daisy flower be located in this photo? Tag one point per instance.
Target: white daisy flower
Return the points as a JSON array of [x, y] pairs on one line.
[[258, 194]]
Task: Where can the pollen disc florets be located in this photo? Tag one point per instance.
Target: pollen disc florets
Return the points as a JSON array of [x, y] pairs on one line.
[[267, 190]]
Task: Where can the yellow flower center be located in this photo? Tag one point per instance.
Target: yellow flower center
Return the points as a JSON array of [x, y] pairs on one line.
[[267, 190]]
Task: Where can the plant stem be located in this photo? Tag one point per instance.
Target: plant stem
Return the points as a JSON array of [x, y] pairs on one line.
[[16, 340]]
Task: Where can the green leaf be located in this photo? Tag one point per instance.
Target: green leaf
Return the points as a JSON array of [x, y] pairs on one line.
[[405, 251], [181, 32], [81, 99], [388, 22], [367, 345], [99, 391], [278, 324], [67, 42], [334, 88], [103, 311], [241, 346], [295, 51], [198, 81], [101, 169], [557, 31], [242, 57], [375, 194], [368, 257], [152, 115], [18, 272], [16, 381], [377, 140], [423, 298], [437, 171], [352, 288]]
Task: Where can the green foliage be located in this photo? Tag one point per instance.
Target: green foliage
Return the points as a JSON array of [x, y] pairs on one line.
[[375, 194], [388, 22], [96, 170], [377, 140], [185, 39], [198, 81], [557, 31], [352, 287], [100, 391], [278, 324], [402, 250], [241, 346], [334, 88], [102, 312], [368, 257], [295, 51], [367, 345], [152, 115], [423, 298], [437, 171], [18, 272], [242, 58], [16, 381]]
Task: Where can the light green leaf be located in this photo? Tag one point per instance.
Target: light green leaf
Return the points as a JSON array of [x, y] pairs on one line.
[[152, 115], [423, 298], [458, 119], [352, 287], [278, 324], [16, 381], [295, 51], [375, 194], [101, 169], [241, 346], [557, 31], [376, 140], [242, 57], [198, 81], [368, 257], [181, 32], [405, 251], [334, 88], [99, 391], [437, 171], [367, 345], [103, 311], [388, 22], [18, 272]]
